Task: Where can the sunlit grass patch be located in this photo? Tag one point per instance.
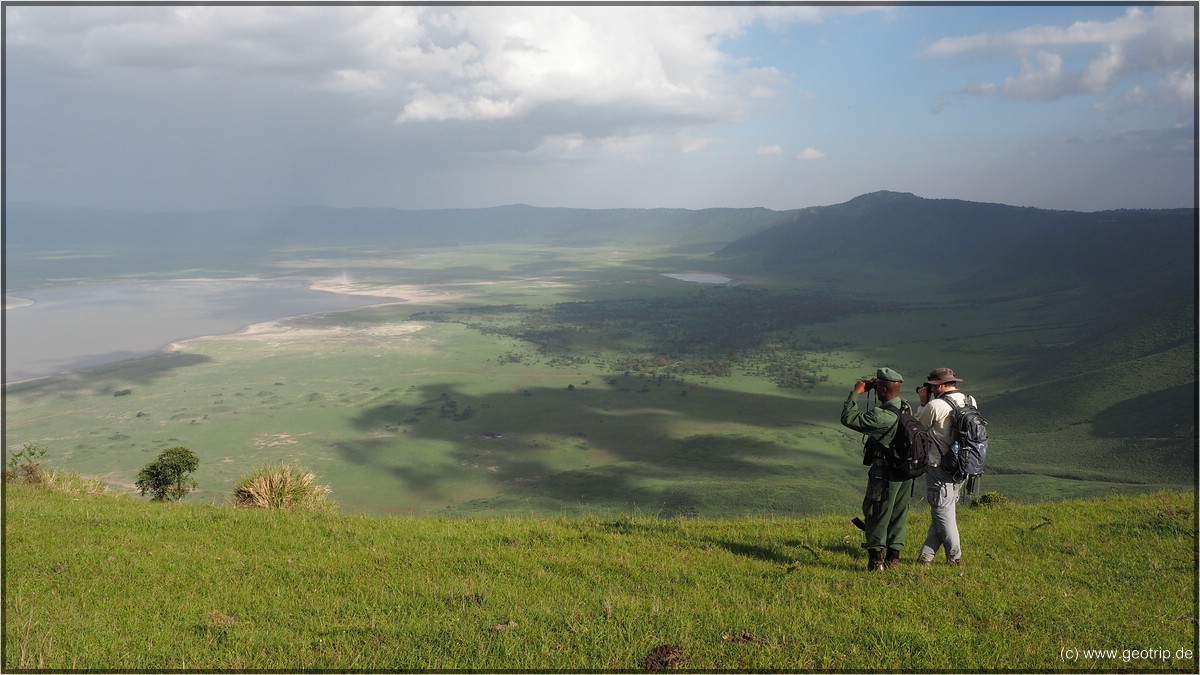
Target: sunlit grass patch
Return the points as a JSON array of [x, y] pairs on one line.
[[99, 583]]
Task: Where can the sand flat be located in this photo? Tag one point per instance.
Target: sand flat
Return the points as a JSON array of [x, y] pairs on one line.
[[277, 332], [410, 293]]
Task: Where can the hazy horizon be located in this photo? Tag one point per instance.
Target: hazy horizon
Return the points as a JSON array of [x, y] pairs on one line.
[[286, 207]]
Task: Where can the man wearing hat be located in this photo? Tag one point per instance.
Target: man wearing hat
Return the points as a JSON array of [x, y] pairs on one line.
[[942, 490], [885, 506]]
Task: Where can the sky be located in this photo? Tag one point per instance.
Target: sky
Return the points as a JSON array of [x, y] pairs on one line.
[[196, 108]]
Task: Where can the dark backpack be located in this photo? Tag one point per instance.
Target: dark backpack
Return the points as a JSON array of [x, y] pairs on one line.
[[970, 432], [910, 447]]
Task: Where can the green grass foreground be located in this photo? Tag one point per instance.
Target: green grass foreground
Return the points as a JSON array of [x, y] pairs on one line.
[[114, 583]]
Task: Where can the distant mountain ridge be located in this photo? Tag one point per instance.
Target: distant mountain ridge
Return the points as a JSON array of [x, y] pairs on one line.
[[998, 245], [33, 225], [121, 242], [989, 244]]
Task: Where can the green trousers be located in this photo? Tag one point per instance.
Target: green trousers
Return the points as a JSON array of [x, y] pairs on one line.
[[885, 509]]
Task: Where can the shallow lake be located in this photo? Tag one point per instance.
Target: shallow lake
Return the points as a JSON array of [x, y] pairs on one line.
[[69, 328]]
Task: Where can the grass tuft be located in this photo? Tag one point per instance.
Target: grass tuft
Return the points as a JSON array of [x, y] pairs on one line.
[[282, 486], [72, 483]]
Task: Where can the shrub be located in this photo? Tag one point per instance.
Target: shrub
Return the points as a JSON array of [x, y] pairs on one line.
[[282, 487], [25, 466], [990, 500], [167, 477]]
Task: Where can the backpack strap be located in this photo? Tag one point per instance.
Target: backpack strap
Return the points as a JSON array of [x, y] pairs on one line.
[[904, 407], [954, 405]]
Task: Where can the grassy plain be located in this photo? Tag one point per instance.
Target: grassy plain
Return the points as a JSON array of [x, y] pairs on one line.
[[555, 381], [111, 584]]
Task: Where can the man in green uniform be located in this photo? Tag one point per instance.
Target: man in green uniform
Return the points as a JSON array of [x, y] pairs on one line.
[[885, 505]]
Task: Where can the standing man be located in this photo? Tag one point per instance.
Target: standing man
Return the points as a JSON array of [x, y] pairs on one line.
[[942, 489], [885, 505]]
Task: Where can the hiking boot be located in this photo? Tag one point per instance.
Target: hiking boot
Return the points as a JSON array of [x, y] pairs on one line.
[[955, 562], [893, 559], [875, 560]]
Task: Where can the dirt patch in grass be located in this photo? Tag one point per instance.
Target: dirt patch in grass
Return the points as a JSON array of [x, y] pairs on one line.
[[275, 440], [663, 657]]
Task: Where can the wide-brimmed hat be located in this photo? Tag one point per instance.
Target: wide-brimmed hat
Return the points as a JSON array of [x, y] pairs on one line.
[[942, 376]]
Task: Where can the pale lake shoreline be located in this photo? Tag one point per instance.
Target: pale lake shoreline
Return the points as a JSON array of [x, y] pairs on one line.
[[80, 361], [14, 302], [83, 359]]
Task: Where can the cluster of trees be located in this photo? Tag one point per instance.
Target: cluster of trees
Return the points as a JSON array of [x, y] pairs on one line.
[[707, 334], [451, 411], [787, 366], [660, 365]]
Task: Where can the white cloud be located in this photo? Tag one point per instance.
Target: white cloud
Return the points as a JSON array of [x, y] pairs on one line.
[[978, 88], [593, 70], [1039, 78], [1136, 25], [635, 148], [1103, 70], [207, 106], [781, 17], [1176, 89], [665, 61], [440, 106], [1181, 86], [689, 144], [1151, 47]]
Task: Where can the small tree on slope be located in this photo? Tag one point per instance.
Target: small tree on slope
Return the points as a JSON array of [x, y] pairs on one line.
[[167, 478]]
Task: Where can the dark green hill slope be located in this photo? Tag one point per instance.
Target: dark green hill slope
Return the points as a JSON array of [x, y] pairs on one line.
[[1078, 329], [1120, 401], [987, 248]]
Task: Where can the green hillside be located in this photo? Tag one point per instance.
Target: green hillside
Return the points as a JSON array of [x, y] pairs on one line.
[[1120, 401], [111, 584]]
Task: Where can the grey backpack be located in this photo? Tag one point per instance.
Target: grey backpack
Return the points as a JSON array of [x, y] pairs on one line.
[[970, 434]]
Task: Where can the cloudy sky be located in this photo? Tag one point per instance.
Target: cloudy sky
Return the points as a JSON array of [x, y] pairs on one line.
[[213, 107]]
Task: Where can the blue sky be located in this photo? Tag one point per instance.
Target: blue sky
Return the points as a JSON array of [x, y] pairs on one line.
[[197, 108]]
